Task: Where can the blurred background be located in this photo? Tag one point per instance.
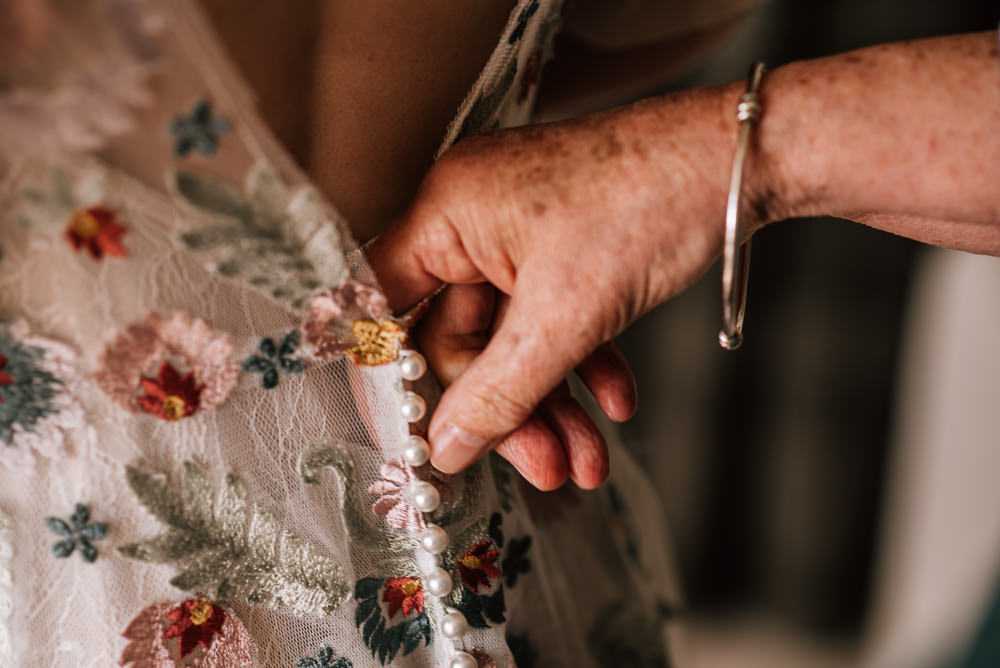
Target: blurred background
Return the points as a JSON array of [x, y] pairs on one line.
[[781, 464]]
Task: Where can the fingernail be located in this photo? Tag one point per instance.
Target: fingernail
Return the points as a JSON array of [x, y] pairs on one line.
[[453, 448]]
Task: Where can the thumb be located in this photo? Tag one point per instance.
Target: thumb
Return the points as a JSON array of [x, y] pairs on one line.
[[536, 346], [418, 253]]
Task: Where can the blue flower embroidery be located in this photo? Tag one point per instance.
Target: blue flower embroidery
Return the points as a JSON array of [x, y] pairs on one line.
[[324, 659], [79, 533], [516, 562], [522, 22], [274, 357], [199, 129]]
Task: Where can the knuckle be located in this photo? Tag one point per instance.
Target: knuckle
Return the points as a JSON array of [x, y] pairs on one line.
[[493, 404]]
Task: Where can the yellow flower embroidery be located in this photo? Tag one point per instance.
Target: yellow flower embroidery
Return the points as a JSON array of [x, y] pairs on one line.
[[378, 342]]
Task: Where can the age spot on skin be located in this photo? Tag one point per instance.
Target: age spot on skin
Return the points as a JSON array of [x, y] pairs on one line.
[[609, 147], [640, 150], [538, 208]]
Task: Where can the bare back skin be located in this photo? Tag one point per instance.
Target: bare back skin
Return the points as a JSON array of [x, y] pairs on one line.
[[361, 91]]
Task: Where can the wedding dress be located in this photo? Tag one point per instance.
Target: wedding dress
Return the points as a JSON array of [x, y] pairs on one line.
[[210, 422]]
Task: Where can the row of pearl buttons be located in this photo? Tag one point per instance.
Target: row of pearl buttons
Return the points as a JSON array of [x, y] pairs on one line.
[[433, 539]]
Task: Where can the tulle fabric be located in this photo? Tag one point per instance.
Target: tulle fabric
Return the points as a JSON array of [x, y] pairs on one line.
[[163, 375]]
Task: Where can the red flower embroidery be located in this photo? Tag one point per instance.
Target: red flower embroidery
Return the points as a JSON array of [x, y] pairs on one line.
[[405, 593], [477, 566], [171, 396], [96, 230], [5, 378], [195, 621]]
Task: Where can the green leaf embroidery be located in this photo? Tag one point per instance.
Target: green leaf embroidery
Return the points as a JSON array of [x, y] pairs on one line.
[[386, 639], [364, 533], [227, 547], [280, 242]]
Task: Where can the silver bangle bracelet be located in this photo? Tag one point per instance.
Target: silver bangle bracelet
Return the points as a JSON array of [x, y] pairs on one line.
[[736, 255]]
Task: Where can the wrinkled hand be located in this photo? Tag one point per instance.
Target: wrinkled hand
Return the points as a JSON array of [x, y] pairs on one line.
[[552, 240], [585, 225]]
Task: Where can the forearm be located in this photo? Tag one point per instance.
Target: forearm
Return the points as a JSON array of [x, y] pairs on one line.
[[905, 137]]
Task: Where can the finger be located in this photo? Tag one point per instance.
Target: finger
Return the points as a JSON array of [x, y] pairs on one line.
[[417, 254], [585, 448], [456, 329], [451, 335], [609, 378], [539, 341], [537, 453]]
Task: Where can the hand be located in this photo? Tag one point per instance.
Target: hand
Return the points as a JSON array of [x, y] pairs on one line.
[[587, 224], [552, 240]]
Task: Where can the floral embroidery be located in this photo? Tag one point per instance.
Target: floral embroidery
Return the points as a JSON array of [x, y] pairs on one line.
[[194, 633], [481, 610], [79, 533], [282, 242], [5, 378], [404, 594], [394, 501], [195, 622], [330, 326], [75, 202], [274, 357], [363, 530], [516, 562], [522, 22], [209, 374], [96, 230], [230, 548], [476, 566], [199, 129], [38, 407], [171, 396], [324, 659], [378, 342]]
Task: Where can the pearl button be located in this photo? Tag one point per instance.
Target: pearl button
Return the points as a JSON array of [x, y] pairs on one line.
[[425, 496], [454, 626], [438, 582], [413, 366], [463, 660], [413, 407], [434, 539], [417, 452]]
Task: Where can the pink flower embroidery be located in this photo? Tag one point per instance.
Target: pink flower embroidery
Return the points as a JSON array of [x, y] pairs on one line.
[[159, 356], [194, 633], [327, 329], [394, 500]]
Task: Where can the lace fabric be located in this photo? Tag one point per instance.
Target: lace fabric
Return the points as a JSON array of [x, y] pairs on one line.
[[203, 480]]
